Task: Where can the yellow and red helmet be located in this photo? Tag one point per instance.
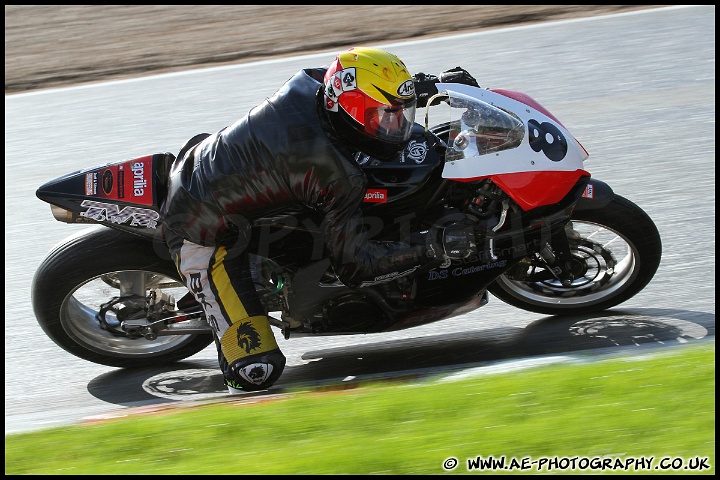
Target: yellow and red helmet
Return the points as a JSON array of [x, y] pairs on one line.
[[370, 99]]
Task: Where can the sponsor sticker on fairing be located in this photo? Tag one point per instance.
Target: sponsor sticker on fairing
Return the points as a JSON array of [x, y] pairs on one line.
[[588, 193], [107, 181], [110, 212], [91, 183]]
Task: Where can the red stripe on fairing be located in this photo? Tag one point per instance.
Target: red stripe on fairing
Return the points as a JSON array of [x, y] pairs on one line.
[[531, 102], [534, 189], [526, 99]]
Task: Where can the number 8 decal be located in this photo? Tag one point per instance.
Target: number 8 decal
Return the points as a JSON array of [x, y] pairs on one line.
[[547, 138]]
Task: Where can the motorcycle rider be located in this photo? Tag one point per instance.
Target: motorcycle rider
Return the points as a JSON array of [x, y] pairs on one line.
[[294, 151]]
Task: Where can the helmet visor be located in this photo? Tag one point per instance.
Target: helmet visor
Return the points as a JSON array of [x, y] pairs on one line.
[[392, 123]]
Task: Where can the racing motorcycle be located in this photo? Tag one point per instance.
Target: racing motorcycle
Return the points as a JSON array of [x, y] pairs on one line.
[[550, 239]]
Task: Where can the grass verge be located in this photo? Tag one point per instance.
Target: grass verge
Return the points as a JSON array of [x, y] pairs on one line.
[[653, 414]]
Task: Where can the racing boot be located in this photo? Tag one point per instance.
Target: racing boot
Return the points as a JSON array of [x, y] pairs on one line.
[[249, 356]]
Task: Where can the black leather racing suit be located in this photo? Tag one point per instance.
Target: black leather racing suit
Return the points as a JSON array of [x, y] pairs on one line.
[[277, 159]]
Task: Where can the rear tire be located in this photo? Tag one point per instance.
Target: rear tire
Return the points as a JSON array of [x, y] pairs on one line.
[[620, 252], [83, 272]]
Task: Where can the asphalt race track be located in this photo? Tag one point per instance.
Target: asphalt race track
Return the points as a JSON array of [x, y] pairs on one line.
[[637, 89]]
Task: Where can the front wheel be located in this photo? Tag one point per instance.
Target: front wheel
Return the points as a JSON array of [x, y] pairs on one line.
[[615, 252], [85, 272]]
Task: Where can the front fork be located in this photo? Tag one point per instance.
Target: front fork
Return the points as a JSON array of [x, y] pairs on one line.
[[557, 255]]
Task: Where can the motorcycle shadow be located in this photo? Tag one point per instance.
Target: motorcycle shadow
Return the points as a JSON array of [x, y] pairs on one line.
[[594, 336]]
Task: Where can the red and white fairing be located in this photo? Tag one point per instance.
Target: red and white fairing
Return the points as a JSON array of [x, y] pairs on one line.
[[510, 138]]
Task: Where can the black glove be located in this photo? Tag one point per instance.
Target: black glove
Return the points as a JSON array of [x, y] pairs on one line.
[[424, 87], [458, 75], [456, 241]]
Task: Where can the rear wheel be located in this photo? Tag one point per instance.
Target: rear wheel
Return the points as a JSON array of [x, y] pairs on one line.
[[85, 272], [616, 251]]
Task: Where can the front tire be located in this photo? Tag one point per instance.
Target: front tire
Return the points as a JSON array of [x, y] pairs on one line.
[[87, 270], [616, 255]]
